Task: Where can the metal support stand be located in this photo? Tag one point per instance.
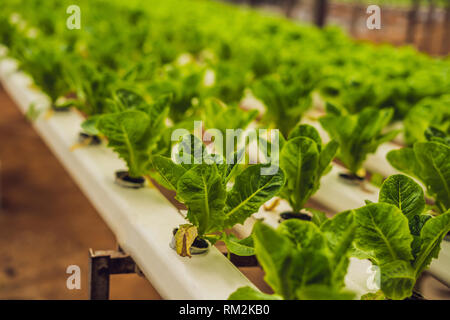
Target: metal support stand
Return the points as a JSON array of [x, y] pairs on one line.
[[413, 15], [445, 46], [104, 263], [320, 12], [429, 27], [242, 261]]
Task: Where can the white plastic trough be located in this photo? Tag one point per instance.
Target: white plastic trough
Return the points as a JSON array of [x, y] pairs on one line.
[[142, 220]]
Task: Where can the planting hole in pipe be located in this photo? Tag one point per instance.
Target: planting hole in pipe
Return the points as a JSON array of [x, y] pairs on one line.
[[416, 296], [88, 139], [123, 179], [351, 178], [60, 109], [294, 215]]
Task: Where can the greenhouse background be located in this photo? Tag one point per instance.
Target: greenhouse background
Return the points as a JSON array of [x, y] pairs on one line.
[[118, 179], [421, 23]]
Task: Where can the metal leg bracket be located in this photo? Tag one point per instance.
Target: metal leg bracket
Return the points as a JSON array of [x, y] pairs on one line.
[[102, 264]]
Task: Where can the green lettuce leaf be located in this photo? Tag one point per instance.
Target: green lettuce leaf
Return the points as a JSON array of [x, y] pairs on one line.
[[383, 233], [322, 292], [285, 101], [326, 156], [427, 161], [203, 192], [303, 234], [274, 255], [431, 235], [299, 262], [169, 171], [250, 191], [317, 217], [299, 160], [304, 160], [249, 293], [431, 111], [340, 232], [416, 224], [398, 236], [397, 279], [304, 130], [434, 160], [405, 161], [436, 135], [89, 126], [310, 267], [404, 193], [240, 247], [125, 132], [129, 99], [358, 135]]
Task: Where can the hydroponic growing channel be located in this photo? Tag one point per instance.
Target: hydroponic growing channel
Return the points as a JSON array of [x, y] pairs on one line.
[[194, 123]]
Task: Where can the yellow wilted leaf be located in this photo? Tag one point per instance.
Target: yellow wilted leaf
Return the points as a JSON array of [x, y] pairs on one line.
[[184, 238], [272, 206]]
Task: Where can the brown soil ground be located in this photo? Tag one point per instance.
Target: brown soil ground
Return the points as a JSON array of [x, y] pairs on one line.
[[47, 224]]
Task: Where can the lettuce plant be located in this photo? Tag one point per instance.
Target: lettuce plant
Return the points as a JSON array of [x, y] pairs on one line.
[[286, 100], [303, 261], [45, 63], [134, 130], [432, 111], [230, 81], [358, 135], [7, 30], [184, 83], [222, 117], [286, 61], [212, 206], [428, 162], [304, 160], [354, 89], [218, 116], [92, 85], [398, 236]]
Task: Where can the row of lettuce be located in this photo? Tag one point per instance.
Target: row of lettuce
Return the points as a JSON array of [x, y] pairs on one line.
[[140, 70], [139, 44]]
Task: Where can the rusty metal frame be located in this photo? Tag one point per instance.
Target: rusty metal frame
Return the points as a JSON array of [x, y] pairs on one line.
[[243, 261], [104, 263]]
